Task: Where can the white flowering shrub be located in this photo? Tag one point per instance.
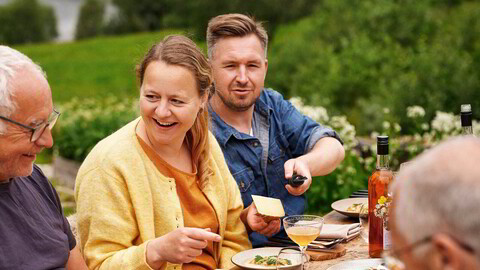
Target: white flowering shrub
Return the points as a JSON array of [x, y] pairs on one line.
[[85, 122], [360, 157]]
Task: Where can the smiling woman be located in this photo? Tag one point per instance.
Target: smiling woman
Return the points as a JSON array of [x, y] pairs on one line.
[[162, 192]]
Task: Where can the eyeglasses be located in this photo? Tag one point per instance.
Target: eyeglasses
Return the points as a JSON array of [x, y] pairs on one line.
[[38, 130], [392, 258]]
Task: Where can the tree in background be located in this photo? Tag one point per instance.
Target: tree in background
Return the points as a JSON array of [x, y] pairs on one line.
[[25, 21], [90, 20], [137, 16], [149, 15], [195, 14]]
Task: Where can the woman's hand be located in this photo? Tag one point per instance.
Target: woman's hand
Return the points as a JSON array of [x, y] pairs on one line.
[[179, 246]]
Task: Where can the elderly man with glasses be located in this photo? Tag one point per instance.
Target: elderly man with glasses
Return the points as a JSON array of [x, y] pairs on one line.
[[436, 214], [33, 231]]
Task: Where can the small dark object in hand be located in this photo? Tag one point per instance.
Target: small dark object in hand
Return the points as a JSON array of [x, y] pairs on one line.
[[296, 180]]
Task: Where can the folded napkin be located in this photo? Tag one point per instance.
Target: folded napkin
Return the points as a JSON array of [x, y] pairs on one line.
[[333, 231]]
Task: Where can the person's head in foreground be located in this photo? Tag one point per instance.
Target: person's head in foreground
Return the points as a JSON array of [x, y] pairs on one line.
[[26, 113], [175, 79], [237, 40], [435, 214]]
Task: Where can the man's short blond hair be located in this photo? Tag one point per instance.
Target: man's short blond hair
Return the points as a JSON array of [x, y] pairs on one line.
[[234, 25]]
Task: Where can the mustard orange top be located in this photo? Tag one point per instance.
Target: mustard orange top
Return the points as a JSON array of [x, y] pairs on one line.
[[197, 210]]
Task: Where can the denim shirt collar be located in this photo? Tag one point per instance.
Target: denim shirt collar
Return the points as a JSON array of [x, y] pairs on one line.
[[224, 131]]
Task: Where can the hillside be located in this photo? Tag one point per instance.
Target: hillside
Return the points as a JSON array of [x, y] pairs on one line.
[[97, 67]]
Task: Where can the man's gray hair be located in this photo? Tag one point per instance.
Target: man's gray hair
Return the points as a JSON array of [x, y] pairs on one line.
[[439, 192], [11, 61]]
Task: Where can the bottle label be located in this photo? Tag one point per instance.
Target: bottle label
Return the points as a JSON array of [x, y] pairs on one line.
[[387, 240], [382, 210]]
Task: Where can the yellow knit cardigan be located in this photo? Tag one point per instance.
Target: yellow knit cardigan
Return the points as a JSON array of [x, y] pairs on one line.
[[123, 201]]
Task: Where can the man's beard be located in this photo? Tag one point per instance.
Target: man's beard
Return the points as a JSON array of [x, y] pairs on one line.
[[235, 106]]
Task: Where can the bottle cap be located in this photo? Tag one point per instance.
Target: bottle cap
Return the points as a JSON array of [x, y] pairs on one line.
[[382, 140], [466, 108], [382, 145]]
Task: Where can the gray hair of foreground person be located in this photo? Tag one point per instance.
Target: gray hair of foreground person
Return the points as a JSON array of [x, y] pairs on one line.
[[440, 193], [234, 25], [10, 62]]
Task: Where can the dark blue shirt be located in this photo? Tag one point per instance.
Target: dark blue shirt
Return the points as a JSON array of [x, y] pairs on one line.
[[280, 133], [34, 234]]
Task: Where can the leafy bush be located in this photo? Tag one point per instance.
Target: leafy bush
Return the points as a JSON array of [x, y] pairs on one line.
[[85, 122], [24, 21], [357, 57], [360, 156]]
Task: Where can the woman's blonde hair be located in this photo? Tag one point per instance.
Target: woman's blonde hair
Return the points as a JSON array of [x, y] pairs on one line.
[[181, 51]]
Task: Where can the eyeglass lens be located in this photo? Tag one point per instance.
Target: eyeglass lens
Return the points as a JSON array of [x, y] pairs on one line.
[[39, 131]]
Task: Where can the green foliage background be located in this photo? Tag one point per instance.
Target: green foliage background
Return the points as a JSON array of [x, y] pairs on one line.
[[26, 21], [357, 57]]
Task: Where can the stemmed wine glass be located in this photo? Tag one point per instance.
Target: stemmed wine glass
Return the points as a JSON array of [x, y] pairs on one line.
[[290, 258], [303, 229], [363, 220]]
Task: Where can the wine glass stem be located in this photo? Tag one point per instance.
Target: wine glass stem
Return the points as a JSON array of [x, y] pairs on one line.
[[303, 249]]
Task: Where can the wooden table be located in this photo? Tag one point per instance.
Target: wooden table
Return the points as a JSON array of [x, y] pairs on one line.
[[356, 248]]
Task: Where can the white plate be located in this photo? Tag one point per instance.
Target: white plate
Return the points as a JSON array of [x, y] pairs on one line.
[[241, 259], [342, 205], [356, 264]]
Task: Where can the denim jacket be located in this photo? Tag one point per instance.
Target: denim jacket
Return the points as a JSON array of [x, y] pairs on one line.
[[280, 133]]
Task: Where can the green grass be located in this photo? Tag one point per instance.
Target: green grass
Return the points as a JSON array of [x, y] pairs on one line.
[[97, 67]]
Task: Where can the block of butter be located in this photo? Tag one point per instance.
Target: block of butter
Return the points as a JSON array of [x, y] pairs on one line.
[[268, 208]]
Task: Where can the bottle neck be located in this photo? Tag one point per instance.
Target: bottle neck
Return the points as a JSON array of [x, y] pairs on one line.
[[467, 130], [382, 162]]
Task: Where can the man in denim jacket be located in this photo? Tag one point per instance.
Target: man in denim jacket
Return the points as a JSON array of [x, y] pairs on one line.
[[263, 137]]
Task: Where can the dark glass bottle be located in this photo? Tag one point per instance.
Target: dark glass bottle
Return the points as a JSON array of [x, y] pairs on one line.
[[466, 119], [379, 201]]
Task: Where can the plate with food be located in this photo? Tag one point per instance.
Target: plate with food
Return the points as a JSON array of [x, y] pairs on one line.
[[349, 207], [262, 258], [362, 264]]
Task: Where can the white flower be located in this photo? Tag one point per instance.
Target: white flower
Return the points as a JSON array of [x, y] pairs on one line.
[[386, 125], [297, 102], [318, 113], [397, 127], [425, 126], [444, 122], [369, 160], [476, 127], [351, 170], [415, 111]]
